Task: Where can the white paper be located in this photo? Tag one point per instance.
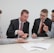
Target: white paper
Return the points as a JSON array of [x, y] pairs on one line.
[[36, 46]]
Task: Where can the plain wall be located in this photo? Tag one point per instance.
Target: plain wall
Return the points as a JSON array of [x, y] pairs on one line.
[[11, 10]]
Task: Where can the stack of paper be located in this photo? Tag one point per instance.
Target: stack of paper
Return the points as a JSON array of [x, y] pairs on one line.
[[36, 46]]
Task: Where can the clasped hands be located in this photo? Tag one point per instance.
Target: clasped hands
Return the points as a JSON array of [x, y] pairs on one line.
[[22, 34]]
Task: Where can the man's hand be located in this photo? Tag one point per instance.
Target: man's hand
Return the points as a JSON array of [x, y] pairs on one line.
[[25, 35], [45, 28], [34, 35], [21, 40], [20, 33]]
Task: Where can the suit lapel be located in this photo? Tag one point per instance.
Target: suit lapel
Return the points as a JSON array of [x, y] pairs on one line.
[[17, 25]]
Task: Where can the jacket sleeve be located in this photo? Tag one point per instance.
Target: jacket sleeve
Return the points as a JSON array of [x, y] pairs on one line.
[[48, 22], [11, 32], [27, 31], [50, 25], [34, 29]]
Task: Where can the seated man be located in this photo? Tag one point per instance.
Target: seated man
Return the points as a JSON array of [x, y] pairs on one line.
[[51, 33], [9, 41], [40, 23], [19, 28]]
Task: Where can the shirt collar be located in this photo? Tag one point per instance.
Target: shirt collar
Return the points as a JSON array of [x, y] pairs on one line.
[[20, 21]]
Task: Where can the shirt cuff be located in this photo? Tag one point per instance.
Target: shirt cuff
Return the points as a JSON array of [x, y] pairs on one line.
[[16, 32], [48, 32]]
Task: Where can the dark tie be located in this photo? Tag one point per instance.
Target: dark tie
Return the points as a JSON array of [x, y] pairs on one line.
[[41, 29]]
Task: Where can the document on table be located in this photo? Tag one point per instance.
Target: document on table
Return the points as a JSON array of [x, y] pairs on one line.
[[36, 46]]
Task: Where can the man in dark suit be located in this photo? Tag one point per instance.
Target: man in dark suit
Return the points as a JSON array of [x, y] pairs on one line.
[[9, 41], [40, 24], [19, 28]]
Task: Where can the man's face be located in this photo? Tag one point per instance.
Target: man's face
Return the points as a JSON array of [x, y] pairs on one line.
[[24, 17], [43, 15], [52, 15]]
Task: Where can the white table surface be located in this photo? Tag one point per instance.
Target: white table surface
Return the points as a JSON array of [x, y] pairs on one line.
[[17, 48]]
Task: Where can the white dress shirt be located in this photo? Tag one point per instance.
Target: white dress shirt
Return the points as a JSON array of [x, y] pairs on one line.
[[16, 31]]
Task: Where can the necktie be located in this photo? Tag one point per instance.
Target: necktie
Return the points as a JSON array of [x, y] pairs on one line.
[[41, 29], [21, 26]]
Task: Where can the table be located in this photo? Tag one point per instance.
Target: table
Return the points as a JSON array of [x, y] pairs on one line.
[[17, 48]]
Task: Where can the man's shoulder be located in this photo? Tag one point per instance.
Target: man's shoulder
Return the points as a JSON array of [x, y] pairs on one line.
[[27, 22], [38, 19], [49, 20], [14, 20]]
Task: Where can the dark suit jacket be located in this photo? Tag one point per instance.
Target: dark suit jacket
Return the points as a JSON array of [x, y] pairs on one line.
[[14, 25], [36, 25]]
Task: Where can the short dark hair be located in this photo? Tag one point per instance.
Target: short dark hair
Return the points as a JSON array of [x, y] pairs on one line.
[[24, 10], [52, 11], [44, 10], [0, 11]]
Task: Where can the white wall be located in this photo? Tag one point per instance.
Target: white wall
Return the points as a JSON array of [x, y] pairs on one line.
[[12, 8]]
